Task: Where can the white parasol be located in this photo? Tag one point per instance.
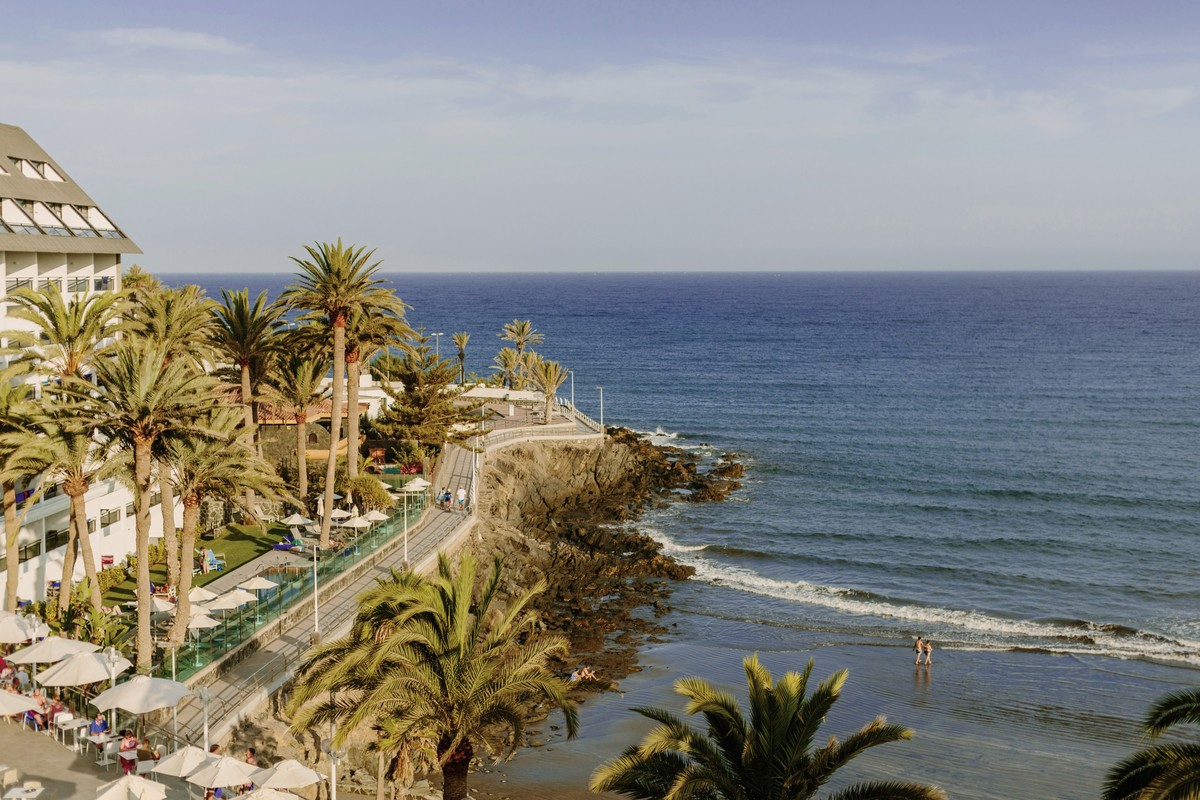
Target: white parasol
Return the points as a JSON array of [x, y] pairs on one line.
[[340, 513], [132, 787], [202, 621], [142, 694], [416, 485], [357, 522], [201, 595], [296, 519], [224, 771], [51, 649], [289, 774], [14, 628], [257, 583], [11, 703], [81, 669], [269, 794], [160, 605], [376, 516], [183, 761]]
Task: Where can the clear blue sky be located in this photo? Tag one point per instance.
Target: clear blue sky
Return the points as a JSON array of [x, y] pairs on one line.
[[479, 136]]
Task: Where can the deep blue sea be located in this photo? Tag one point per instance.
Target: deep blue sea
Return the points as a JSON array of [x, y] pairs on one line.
[[998, 461]]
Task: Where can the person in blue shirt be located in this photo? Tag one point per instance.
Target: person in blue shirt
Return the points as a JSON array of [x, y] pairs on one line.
[[99, 725]]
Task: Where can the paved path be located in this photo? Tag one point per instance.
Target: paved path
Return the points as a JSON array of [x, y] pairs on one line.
[[248, 684]]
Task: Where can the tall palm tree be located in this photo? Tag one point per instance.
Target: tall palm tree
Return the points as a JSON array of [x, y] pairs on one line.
[[16, 408], [522, 334], [182, 322], [769, 756], [69, 331], [508, 363], [1161, 771], [368, 331], [436, 658], [140, 396], [460, 343], [66, 452], [207, 467], [136, 284], [296, 387], [335, 281], [547, 376]]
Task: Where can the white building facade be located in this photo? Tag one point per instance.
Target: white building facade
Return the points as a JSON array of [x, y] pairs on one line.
[[53, 235]]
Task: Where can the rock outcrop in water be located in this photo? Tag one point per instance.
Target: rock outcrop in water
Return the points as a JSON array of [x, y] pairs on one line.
[[564, 513]]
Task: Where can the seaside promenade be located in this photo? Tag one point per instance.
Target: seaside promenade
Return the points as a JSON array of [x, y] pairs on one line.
[[241, 684]]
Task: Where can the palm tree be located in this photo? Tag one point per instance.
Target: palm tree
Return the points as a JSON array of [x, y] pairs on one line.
[[137, 284], [1161, 771], [522, 334], [508, 363], [206, 467], [769, 756], [334, 282], [460, 341], [140, 396], [15, 411], [547, 376], [368, 331], [69, 332], [249, 335], [296, 387], [66, 452], [436, 658], [182, 322]]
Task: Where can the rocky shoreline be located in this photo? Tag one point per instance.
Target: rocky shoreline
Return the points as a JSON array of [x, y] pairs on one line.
[[566, 513]]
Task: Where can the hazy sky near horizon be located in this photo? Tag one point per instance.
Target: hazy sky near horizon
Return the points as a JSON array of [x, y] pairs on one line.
[[596, 136]]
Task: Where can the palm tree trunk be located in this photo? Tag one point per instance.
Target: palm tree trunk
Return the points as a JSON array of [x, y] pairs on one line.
[[10, 544], [187, 554], [170, 537], [454, 772], [141, 476], [353, 370], [85, 548], [248, 439], [302, 461], [549, 408], [381, 760], [74, 521], [335, 424]]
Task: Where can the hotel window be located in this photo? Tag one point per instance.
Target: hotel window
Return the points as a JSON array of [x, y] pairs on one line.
[[109, 516], [92, 525], [55, 539], [156, 498], [77, 284], [130, 510], [16, 217], [103, 284], [19, 283], [47, 284], [48, 221]]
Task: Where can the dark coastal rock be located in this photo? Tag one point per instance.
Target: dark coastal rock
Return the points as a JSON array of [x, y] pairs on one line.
[[565, 512]]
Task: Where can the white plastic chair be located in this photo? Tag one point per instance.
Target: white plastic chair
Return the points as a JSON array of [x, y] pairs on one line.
[[111, 748]]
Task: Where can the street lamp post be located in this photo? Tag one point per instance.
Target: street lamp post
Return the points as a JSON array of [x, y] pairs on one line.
[[571, 372], [203, 693], [437, 341], [316, 600], [601, 388], [111, 656]]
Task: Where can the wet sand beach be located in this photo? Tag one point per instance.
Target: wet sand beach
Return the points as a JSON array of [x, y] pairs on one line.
[[988, 723]]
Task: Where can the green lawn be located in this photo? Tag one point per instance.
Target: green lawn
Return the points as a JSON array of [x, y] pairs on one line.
[[238, 544]]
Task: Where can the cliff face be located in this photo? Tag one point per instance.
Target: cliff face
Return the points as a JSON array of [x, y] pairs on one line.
[[564, 513]]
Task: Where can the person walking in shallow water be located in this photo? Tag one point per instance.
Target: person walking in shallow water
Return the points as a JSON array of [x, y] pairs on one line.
[[918, 648], [928, 652]]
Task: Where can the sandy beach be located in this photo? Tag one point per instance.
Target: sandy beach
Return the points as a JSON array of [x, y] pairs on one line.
[[988, 723]]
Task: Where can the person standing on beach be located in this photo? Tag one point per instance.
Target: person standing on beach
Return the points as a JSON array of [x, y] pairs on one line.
[[928, 652], [918, 647]]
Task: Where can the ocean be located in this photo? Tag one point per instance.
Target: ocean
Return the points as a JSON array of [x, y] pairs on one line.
[[1007, 463]]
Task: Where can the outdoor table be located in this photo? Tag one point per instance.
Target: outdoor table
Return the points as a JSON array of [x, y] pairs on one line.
[[100, 739], [21, 793], [73, 725]]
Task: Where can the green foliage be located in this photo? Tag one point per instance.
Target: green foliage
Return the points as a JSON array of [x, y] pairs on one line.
[[768, 756], [369, 493], [423, 405], [1161, 771]]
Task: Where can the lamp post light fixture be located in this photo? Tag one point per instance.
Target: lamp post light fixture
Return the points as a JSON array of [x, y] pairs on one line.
[[437, 341], [112, 656], [316, 600], [335, 757], [571, 372]]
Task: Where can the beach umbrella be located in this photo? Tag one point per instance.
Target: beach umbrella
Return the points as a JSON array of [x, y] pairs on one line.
[[224, 771], [142, 694], [201, 595], [11, 703], [357, 522], [81, 669], [416, 485], [132, 787], [231, 599], [340, 513], [183, 761], [51, 649], [376, 516], [269, 794], [160, 605], [241, 596], [201, 621], [296, 519], [14, 628], [257, 583], [288, 774]]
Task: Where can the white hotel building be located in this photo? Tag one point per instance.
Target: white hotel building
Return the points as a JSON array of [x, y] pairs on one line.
[[52, 234]]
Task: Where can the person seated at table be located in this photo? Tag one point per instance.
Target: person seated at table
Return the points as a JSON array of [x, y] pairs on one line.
[[37, 716], [129, 744], [146, 752], [56, 707], [98, 726], [22, 676]]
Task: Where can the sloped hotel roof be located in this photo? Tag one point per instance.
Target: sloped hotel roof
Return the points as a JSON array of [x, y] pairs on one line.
[[42, 210]]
